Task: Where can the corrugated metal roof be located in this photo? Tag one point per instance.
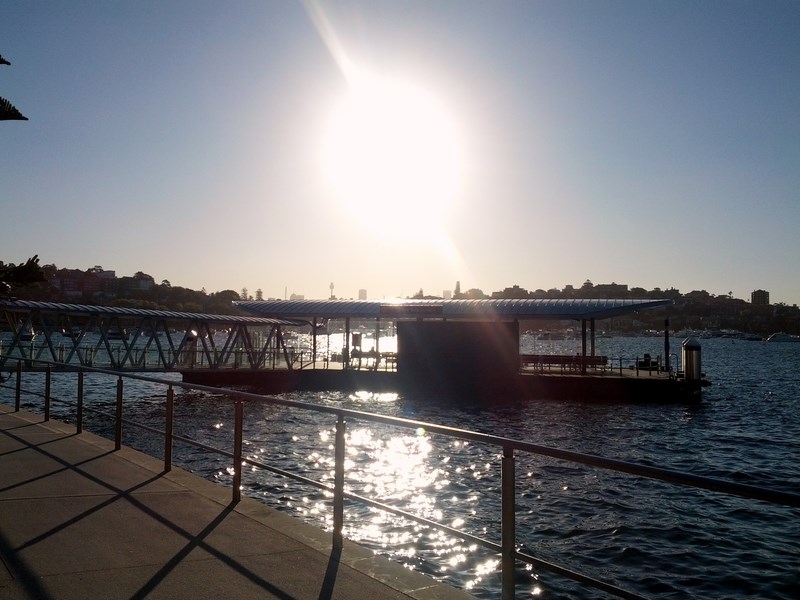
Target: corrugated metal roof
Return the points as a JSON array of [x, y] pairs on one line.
[[117, 311], [452, 309], [307, 309]]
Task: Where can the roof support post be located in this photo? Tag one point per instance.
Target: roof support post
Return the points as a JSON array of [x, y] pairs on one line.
[[314, 344], [591, 331], [583, 346], [346, 351], [266, 354], [282, 346]]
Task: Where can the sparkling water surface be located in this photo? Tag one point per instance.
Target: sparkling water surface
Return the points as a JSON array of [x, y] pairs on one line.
[[650, 537]]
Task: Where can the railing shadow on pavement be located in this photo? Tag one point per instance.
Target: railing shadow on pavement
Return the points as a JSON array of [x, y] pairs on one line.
[[507, 549]]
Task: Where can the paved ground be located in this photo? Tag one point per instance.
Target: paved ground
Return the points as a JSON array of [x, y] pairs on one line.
[[78, 520]]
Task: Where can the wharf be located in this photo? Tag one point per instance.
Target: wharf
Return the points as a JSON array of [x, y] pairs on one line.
[[606, 385], [80, 520]]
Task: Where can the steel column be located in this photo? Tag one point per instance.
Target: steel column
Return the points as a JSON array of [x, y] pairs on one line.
[[508, 525], [346, 351], [314, 344], [47, 379], [237, 451], [168, 428], [338, 483], [583, 346], [79, 415], [118, 420], [19, 387]]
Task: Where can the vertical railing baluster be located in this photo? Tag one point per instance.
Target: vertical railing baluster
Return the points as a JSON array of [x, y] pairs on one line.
[[47, 375], [170, 409], [19, 387], [79, 416], [508, 562], [338, 483], [237, 451], [118, 420]]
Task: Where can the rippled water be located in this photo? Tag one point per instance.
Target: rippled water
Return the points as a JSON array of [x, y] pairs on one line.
[[649, 537]]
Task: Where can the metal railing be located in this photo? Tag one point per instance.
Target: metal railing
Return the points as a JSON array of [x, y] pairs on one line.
[[506, 548], [598, 365], [140, 359]]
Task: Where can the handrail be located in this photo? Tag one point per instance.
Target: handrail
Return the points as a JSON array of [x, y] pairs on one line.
[[509, 555]]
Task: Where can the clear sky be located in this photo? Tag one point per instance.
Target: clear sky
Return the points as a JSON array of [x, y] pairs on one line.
[[395, 146]]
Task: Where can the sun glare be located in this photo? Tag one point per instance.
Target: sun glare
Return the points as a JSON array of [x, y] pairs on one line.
[[391, 156]]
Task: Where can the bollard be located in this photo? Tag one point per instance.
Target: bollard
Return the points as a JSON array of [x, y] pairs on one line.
[[691, 360]]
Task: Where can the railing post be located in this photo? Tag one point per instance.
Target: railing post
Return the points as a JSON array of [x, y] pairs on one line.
[[79, 416], [118, 420], [47, 393], [508, 562], [19, 386], [168, 430], [237, 451], [338, 483]]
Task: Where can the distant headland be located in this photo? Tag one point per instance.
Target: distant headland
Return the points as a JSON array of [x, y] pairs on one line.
[[695, 310]]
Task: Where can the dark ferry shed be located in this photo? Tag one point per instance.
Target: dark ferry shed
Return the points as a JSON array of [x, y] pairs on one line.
[[456, 345]]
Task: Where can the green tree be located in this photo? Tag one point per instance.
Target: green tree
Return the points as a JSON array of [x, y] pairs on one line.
[[20, 276], [8, 111]]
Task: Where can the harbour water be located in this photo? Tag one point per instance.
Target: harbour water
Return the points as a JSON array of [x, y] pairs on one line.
[[652, 538]]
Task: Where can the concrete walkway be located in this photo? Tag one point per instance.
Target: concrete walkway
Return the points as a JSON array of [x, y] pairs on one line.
[[78, 520]]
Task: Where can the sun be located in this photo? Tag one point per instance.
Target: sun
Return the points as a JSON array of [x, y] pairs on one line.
[[391, 156]]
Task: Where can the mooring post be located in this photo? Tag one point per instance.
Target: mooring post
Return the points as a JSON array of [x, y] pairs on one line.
[[170, 409], [118, 420], [508, 533], [47, 393], [237, 451], [338, 483], [79, 416]]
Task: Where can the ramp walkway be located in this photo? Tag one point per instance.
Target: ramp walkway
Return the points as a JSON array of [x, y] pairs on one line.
[[79, 520]]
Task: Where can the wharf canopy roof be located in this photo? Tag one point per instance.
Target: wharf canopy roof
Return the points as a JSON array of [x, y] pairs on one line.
[[447, 309], [87, 310]]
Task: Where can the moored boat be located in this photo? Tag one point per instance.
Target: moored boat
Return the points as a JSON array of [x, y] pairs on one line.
[[783, 337]]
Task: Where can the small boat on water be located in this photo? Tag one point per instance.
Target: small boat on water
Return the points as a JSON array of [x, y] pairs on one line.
[[26, 335], [783, 337], [115, 333]]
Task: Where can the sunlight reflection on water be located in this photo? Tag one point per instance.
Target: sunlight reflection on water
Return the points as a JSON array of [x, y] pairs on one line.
[[650, 537]]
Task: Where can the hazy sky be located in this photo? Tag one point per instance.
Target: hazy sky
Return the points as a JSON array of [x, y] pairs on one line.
[[402, 145]]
